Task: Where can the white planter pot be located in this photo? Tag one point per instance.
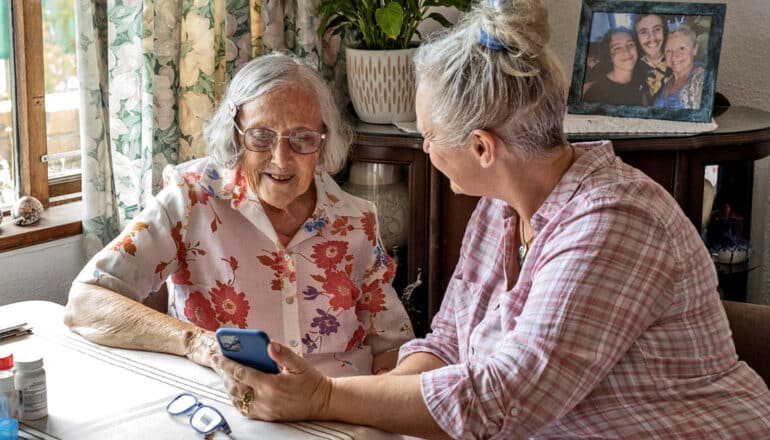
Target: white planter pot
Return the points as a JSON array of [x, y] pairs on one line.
[[381, 84]]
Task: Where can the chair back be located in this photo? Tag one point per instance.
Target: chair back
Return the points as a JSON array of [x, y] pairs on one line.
[[750, 324]]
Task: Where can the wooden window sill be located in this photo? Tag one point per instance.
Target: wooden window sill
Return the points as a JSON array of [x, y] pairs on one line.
[[58, 221]]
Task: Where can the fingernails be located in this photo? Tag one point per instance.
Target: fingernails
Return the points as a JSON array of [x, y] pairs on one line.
[[276, 346]]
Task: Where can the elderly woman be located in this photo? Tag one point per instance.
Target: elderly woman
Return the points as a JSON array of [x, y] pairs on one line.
[[622, 85], [651, 35], [605, 324], [684, 87], [257, 235]]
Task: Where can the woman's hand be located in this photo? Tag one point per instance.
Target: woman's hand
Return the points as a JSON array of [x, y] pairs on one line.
[[298, 392], [201, 347]]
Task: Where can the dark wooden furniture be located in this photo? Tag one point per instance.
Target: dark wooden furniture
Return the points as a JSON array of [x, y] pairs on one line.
[[677, 162]]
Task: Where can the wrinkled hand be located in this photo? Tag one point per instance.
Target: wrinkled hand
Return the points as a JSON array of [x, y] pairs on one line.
[[202, 347], [298, 392]]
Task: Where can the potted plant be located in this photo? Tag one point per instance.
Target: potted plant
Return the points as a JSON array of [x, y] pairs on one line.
[[379, 67]]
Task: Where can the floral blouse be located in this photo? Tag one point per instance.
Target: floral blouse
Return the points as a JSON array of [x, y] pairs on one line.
[[327, 294]]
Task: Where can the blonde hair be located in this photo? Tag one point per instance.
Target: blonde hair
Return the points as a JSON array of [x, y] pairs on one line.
[[518, 91], [259, 77]]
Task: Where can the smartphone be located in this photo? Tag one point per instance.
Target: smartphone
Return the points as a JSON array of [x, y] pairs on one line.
[[248, 347]]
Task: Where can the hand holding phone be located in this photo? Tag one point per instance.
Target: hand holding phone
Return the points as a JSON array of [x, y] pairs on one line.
[[248, 347]]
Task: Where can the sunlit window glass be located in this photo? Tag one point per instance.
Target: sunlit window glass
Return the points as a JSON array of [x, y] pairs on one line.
[[7, 153], [61, 88]]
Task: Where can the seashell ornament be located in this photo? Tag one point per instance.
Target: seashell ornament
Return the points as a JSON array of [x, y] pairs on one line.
[[26, 211]]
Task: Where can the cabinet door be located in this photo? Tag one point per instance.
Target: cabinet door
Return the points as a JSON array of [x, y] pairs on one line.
[[392, 172]]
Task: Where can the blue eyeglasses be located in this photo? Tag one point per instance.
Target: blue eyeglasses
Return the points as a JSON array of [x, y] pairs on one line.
[[203, 418]]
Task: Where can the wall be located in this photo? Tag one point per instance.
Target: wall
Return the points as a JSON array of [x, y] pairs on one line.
[[743, 77], [41, 272]]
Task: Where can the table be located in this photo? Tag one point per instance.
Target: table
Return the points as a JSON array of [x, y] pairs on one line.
[[99, 392]]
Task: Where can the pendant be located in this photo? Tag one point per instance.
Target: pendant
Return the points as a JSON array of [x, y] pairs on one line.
[[522, 254]]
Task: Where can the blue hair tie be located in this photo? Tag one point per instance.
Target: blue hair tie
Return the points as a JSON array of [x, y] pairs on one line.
[[489, 41]]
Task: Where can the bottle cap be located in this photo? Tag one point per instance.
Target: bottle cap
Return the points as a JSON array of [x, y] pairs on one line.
[[31, 362], [6, 360], [9, 428], [6, 382]]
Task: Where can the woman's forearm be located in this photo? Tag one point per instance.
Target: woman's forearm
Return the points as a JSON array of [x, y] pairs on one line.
[[391, 403], [108, 318]]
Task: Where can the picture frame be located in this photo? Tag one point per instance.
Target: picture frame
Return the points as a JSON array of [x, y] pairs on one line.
[[674, 75]]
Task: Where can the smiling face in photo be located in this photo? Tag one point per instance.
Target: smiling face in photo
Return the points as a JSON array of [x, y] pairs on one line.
[[649, 31], [680, 53], [623, 51]]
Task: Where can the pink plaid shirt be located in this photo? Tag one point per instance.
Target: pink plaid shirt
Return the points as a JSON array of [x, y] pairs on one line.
[[614, 328]]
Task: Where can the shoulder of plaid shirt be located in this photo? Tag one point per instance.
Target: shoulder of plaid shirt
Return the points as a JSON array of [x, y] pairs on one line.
[[614, 327]]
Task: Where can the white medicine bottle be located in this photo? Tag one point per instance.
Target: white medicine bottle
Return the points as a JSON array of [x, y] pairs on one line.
[[9, 398], [31, 385]]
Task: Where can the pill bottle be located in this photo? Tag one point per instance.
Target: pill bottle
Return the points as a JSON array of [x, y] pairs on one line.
[[6, 360], [9, 398], [31, 385]]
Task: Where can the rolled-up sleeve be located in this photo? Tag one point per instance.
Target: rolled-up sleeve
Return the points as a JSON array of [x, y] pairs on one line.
[[598, 281], [144, 254]]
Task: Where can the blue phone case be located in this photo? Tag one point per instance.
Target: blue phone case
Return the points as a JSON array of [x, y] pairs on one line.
[[248, 347]]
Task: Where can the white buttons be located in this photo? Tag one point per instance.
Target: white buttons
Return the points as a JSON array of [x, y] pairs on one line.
[[293, 343], [289, 300], [514, 411], [287, 257]]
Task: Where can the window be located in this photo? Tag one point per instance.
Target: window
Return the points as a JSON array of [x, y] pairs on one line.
[[39, 128], [39, 99]]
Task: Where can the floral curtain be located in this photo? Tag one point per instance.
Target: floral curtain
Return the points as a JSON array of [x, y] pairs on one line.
[[151, 72]]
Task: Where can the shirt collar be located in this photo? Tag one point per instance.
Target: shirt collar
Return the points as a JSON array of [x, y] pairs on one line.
[[331, 202], [596, 155]]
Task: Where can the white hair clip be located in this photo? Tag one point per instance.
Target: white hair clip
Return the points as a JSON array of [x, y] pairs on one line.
[[231, 108]]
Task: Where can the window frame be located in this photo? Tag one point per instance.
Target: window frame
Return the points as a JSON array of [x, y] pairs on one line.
[[29, 97], [30, 136]]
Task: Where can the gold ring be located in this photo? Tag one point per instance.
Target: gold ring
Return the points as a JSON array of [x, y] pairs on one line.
[[248, 396]]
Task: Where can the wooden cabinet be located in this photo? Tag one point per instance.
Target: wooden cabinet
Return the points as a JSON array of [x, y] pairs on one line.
[[438, 217]]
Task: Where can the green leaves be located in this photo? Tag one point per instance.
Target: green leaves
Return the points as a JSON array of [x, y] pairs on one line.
[[390, 18], [379, 25]]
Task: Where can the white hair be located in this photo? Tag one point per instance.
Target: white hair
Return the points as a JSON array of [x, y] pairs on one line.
[[260, 77], [517, 91]]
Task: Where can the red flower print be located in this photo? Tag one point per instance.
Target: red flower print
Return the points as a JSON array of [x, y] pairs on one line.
[[194, 191], [181, 249], [390, 272], [343, 290], [182, 275], [368, 224], [127, 243], [237, 186], [198, 310], [358, 337], [341, 226], [277, 261], [372, 298], [230, 305], [329, 254]]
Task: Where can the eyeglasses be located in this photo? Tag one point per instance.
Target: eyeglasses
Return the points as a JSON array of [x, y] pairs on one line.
[[203, 418], [263, 139]]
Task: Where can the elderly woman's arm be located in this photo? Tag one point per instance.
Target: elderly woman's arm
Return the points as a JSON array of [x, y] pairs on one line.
[[108, 318], [388, 402]]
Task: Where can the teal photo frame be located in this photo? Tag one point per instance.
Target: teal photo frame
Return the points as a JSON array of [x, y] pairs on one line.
[[692, 37]]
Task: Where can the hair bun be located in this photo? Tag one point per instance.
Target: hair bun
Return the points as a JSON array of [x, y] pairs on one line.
[[521, 25]]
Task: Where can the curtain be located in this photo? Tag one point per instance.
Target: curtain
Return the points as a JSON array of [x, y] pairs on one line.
[[151, 73]]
